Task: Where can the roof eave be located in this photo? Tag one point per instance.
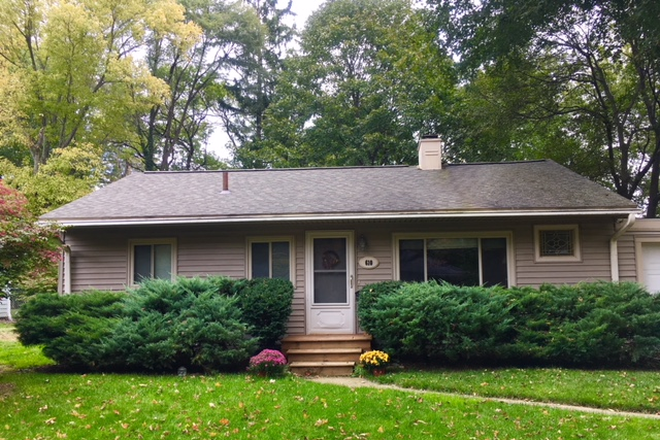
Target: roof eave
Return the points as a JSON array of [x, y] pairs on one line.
[[151, 221]]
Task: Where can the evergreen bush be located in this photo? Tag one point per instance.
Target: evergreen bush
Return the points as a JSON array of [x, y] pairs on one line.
[[441, 322], [586, 325], [266, 305], [70, 327], [210, 324]]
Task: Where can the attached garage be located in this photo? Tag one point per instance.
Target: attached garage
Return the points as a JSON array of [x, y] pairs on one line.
[[650, 265]]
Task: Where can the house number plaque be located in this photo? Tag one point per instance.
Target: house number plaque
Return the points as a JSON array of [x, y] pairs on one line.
[[368, 262]]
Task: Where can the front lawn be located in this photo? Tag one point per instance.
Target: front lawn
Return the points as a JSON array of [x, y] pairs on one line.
[[51, 406], [40, 405], [622, 390]]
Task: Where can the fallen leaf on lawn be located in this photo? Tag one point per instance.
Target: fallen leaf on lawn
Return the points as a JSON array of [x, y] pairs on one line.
[[51, 421], [321, 422]]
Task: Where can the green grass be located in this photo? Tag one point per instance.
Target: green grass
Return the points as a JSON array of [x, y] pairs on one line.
[[39, 405], [622, 390], [14, 355], [45, 406]]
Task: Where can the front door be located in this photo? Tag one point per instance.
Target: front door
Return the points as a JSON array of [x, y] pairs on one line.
[[330, 293]]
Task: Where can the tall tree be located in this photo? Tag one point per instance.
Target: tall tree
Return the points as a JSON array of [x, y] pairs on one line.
[[74, 69], [171, 135], [369, 79], [69, 174], [252, 78], [597, 62]]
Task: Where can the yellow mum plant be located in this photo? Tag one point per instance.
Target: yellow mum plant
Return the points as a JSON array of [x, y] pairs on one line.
[[374, 360]]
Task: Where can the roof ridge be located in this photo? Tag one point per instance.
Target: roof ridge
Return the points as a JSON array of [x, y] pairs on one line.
[[504, 162], [242, 170]]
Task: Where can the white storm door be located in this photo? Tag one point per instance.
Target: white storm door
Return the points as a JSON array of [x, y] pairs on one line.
[[330, 275]]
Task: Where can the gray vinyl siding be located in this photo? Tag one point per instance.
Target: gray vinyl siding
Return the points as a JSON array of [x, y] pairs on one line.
[[100, 256], [594, 240], [98, 260], [379, 245], [627, 258]]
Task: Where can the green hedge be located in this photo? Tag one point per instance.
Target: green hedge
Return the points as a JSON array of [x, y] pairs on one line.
[[587, 325], [210, 324]]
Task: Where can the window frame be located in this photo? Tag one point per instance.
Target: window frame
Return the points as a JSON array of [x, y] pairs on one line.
[[270, 240], [577, 252], [151, 242], [507, 235]]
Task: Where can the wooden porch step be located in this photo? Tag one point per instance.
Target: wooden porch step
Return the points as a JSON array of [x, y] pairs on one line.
[[327, 342], [324, 350], [325, 355], [304, 338], [321, 364], [322, 368]]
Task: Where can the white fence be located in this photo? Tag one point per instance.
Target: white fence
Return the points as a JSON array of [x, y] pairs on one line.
[[5, 308]]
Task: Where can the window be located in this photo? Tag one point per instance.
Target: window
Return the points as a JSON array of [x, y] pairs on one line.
[[459, 260], [270, 258], [152, 259], [556, 243]]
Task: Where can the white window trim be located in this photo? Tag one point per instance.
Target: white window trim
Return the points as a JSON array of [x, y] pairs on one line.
[[151, 241], [507, 235], [577, 254], [271, 239]]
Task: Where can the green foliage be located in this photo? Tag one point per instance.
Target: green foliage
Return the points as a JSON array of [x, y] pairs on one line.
[[441, 322], [161, 325], [255, 72], [587, 325], [185, 323], [368, 79], [590, 324], [67, 175], [71, 328], [372, 293], [266, 305], [570, 80], [80, 78]]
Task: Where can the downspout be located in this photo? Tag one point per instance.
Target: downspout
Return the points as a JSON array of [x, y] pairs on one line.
[[64, 284], [66, 287], [614, 247]]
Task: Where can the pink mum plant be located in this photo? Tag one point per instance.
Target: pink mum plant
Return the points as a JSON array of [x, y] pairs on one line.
[[268, 363]]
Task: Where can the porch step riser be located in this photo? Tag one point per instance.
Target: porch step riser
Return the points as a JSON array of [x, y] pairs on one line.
[[362, 345], [322, 371], [327, 357]]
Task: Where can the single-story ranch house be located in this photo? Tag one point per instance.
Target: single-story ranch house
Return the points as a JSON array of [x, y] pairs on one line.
[[331, 231]]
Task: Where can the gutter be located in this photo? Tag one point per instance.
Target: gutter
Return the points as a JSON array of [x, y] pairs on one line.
[[153, 221], [614, 246]]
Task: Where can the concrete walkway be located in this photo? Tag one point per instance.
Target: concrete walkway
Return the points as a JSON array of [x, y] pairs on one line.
[[359, 382]]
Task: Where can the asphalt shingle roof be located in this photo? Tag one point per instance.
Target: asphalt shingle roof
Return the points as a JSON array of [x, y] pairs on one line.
[[511, 187]]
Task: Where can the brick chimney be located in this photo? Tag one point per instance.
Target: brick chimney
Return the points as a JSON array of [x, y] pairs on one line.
[[430, 153]]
